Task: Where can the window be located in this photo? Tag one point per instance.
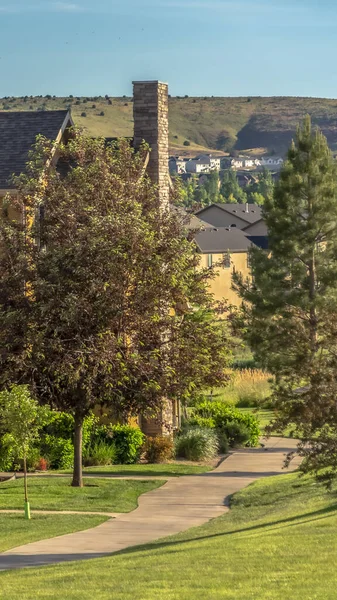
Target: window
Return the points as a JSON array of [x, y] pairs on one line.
[[210, 260], [226, 260]]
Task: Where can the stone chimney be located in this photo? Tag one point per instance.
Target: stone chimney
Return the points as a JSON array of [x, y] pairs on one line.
[[150, 112]]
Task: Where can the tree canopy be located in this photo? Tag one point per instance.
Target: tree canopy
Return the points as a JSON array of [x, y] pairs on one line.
[[98, 280], [290, 308]]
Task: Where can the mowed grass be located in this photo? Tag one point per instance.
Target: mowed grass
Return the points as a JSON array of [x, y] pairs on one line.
[[15, 530], [162, 470], [279, 542], [56, 493]]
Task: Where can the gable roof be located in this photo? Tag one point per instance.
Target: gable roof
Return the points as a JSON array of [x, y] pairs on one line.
[[18, 131], [222, 239], [239, 210]]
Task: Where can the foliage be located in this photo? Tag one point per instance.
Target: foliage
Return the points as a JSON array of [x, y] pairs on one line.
[[7, 452], [197, 444], [230, 188], [42, 464], [100, 453], [203, 422], [236, 433], [87, 320], [22, 418], [128, 443], [223, 441], [290, 309], [59, 451], [158, 449], [222, 414]]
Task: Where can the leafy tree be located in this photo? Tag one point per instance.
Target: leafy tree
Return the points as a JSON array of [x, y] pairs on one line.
[[95, 289], [212, 185], [291, 305], [230, 188], [262, 188], [22, 418]]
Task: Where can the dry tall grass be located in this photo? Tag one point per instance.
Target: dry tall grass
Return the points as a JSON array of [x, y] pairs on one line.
[[248, 388]]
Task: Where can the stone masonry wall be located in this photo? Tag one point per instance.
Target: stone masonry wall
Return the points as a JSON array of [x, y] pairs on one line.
[[150, 111]]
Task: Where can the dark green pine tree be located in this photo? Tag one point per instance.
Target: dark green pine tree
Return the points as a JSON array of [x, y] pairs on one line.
[[290, 306], [230, 189]]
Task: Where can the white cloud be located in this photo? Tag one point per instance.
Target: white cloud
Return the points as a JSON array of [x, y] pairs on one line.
[[66, 7], [233, 6]]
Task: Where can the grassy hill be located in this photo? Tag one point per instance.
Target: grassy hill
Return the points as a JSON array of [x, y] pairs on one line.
[[256, 124]]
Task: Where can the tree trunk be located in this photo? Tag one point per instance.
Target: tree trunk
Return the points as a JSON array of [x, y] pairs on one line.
[[25, 478], [77, 473], [313, 313]]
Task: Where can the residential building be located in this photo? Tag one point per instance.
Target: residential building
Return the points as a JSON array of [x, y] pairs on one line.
[[244, 162], [230, 215], [272, 162], [18, 131], [203, 164], [225, 250], [177, 165]]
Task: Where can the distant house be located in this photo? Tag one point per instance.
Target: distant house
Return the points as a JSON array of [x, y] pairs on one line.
[[203, 164], [230, 215], [225, 249], [244, 163], [177, 165], [272, 162]]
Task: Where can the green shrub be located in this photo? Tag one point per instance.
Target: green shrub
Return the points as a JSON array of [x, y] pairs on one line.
[[100, 454], [222, 414], [7, 453], [61, 426], [128, 442], [58, 451], [197, 444], [203, 422], [223, 442], [236, 433], [158, 449]]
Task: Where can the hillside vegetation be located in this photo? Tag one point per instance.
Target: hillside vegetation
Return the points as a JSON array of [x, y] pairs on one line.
[[222, 124]]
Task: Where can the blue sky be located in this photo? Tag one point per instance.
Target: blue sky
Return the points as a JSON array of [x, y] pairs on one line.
[[200, 47]]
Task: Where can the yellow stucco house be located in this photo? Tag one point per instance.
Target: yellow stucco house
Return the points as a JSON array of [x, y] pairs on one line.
[[226, 234]]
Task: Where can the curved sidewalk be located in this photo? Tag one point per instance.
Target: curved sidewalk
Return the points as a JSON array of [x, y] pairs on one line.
[[181, 503]]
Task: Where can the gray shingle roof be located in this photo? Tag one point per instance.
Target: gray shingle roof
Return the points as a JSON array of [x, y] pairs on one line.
[[250, 214], [222, 239], [18, 131]]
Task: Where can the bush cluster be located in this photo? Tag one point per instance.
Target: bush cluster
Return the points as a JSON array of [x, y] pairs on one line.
[[197, 443], [102, 445], [158, 449], [227, 419]]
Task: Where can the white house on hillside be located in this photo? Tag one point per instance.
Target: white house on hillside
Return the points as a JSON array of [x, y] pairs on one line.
[[272, 162], [203, 164], [177, 165]]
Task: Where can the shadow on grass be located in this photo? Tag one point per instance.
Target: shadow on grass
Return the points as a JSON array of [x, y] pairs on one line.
[[141, 473], [304, 518]]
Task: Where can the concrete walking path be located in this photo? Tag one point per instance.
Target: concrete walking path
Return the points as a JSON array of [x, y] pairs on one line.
[[181, 503]]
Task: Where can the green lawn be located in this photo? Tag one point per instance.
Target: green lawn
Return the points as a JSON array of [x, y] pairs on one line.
[[15, 530], [279, 542], [56, 493], [162, 470]]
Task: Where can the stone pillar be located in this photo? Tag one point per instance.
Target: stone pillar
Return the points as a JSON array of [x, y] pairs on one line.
[[150, 113]]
